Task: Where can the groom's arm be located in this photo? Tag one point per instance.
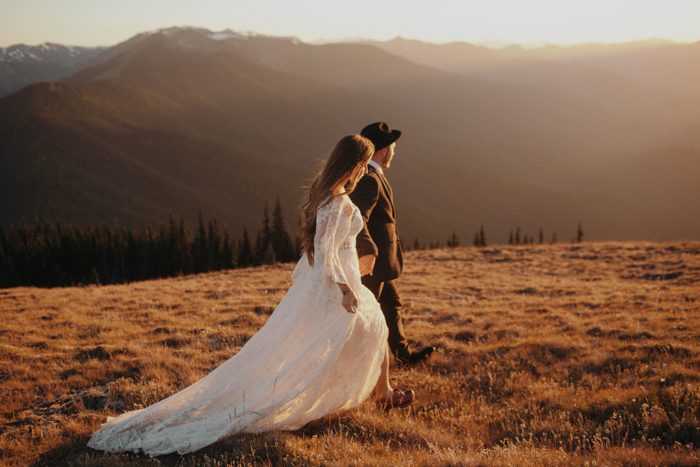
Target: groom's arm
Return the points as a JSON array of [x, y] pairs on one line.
[[365, 197]]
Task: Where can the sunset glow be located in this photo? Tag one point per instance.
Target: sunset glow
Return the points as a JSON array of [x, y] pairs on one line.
[[107, 22]]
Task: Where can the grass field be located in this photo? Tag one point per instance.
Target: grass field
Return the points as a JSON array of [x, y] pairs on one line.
[[563, 354]]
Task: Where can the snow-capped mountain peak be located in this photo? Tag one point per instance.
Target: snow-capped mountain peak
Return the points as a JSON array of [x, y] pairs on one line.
[[225, 35], [47, 51], [23, 64]]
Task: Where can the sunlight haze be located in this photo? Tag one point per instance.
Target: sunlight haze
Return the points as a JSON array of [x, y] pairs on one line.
[[79, 22]]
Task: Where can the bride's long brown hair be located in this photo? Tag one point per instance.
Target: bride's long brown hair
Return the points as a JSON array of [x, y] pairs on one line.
[[350, 152]]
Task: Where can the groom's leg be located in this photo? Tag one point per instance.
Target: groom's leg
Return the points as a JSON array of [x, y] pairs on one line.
[[387, 295], [391, 306]]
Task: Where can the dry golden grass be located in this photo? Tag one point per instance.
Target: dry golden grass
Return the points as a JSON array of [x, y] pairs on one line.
[[548, 355]]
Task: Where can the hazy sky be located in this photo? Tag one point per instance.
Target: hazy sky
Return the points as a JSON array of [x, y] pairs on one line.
[[106, 22]]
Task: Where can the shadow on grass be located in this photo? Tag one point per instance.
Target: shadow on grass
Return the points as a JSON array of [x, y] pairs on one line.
[[362, 432], [255, 449]]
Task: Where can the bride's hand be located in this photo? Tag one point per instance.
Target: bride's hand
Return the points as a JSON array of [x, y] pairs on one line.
[[349, 300]]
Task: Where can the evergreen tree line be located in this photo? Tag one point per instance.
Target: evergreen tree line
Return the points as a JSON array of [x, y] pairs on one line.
[[59, 253], [55, 253], [515, 237]]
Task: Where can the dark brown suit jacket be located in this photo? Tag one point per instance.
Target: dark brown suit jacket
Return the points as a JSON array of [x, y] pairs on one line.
[[379, 236]]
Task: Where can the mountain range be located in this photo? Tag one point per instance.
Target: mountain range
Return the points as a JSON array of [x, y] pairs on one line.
[[186, 119], [22, 65]]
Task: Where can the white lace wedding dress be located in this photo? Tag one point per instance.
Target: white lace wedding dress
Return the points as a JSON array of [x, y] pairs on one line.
[[310, 358]]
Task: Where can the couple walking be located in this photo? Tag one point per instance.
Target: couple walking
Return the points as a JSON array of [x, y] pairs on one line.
[[326, 346]]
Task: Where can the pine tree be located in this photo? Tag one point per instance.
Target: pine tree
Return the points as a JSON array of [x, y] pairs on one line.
[[554, 238], [171, 254], [183, 237], [579, 233], [510, 237], [266, 230], [245, 251], [214, 246], [281, 242], [227, 256], [482, 236], [453, 241], [263, 239], [416, 244], [268, 256], [200, 247], [258, 249], [541, 236], [517, 235]]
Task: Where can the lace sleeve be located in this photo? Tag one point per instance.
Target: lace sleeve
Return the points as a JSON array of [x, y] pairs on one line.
[[328, 238]]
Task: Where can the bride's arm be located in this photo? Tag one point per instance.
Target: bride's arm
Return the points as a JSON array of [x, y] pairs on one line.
[[330, 223], [328, 220]]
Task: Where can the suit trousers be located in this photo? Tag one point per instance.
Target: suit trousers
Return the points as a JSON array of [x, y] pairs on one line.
[[388, 297]]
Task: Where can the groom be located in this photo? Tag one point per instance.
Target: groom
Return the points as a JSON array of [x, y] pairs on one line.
[[378, 244]]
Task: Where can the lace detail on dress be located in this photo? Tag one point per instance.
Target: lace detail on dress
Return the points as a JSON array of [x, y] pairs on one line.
[[333, 221]]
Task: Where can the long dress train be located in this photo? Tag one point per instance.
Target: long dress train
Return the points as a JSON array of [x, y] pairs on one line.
[[310, 358]]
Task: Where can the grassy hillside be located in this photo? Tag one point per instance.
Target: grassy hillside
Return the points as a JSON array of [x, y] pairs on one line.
[[548, 355]]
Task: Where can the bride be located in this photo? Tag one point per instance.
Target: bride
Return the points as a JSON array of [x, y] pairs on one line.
[[322, 350]]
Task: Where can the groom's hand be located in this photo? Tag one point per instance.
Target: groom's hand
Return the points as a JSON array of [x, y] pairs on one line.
[[367, 264]]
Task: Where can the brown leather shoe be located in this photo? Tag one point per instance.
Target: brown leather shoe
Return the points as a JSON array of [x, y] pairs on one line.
[[400, 398]]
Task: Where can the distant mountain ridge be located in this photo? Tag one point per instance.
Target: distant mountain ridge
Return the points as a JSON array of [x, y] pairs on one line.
[[187, 119], [652, 67], [22, 65]]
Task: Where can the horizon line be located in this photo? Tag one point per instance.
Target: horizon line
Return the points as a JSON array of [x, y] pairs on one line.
[[494, 44]]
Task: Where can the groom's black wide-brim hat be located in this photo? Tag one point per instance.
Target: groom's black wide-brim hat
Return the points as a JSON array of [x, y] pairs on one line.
[[380, 134]]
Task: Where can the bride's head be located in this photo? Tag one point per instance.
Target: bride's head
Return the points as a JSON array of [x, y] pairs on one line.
[[344, 167]]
